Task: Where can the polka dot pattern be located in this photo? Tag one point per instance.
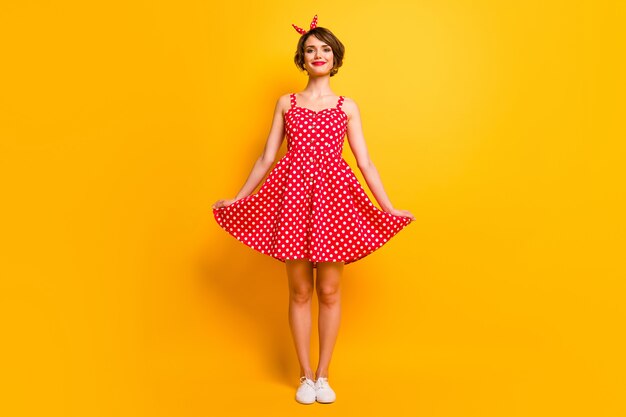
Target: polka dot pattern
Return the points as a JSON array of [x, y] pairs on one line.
[[313, 25], [311, 206]]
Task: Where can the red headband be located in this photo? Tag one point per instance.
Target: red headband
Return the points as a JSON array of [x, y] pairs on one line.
[[302, 31]]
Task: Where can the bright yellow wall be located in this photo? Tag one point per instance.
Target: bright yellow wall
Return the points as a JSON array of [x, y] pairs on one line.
[[497, 123]]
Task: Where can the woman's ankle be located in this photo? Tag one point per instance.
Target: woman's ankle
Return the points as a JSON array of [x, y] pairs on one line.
[[307, 373], [321, 374]]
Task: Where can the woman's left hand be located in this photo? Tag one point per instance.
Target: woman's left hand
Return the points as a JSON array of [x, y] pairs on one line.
[[403, 213]]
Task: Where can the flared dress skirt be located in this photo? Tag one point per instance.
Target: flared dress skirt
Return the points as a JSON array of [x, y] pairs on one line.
[[311, 205]]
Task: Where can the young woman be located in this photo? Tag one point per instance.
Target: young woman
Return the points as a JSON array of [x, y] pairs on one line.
[[311, 212]]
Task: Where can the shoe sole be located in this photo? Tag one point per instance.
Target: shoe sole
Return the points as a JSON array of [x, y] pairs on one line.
[[305, 403], [325, 402]]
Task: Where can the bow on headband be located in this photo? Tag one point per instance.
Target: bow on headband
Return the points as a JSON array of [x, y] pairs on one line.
[[302, 31]]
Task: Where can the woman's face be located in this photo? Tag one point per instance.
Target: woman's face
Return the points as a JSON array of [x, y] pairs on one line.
[[318, 57]]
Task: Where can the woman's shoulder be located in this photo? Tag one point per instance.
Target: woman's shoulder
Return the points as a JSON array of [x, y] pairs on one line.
[[350, 108], [283, 103], [285, 98], [349, 101]]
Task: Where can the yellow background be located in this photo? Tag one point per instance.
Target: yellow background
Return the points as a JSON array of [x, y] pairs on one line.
[[497, 124]]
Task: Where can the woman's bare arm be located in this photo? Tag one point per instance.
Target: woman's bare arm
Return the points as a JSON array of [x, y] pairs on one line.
[[364, 162], [267, 157]]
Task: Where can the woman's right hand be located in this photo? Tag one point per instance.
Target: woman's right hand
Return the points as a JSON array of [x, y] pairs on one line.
[[223, 203]]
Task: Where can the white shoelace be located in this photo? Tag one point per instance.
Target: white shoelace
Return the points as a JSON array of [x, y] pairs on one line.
[[305, 380], [323, 382]]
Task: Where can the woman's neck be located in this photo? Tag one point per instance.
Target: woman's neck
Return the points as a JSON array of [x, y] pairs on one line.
[[318, 87]]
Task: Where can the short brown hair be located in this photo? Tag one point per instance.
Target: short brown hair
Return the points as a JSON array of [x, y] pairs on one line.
[[330, 39]]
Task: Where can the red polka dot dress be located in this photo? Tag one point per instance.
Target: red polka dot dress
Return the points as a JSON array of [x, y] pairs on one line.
[[311, 206]]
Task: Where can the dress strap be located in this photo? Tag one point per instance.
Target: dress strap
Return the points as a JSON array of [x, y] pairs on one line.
[[293, 99], [340, 102]]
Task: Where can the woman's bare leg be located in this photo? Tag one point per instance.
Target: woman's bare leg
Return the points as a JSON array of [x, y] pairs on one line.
[[329, 297], [300, 276]]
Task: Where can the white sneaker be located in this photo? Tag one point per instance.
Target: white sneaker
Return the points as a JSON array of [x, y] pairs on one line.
[[306, 391], [324, 393]]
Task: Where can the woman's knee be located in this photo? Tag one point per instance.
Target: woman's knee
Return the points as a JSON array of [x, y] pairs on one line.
[[301, 294], [300, 274], [328, 293], [328, 279]]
